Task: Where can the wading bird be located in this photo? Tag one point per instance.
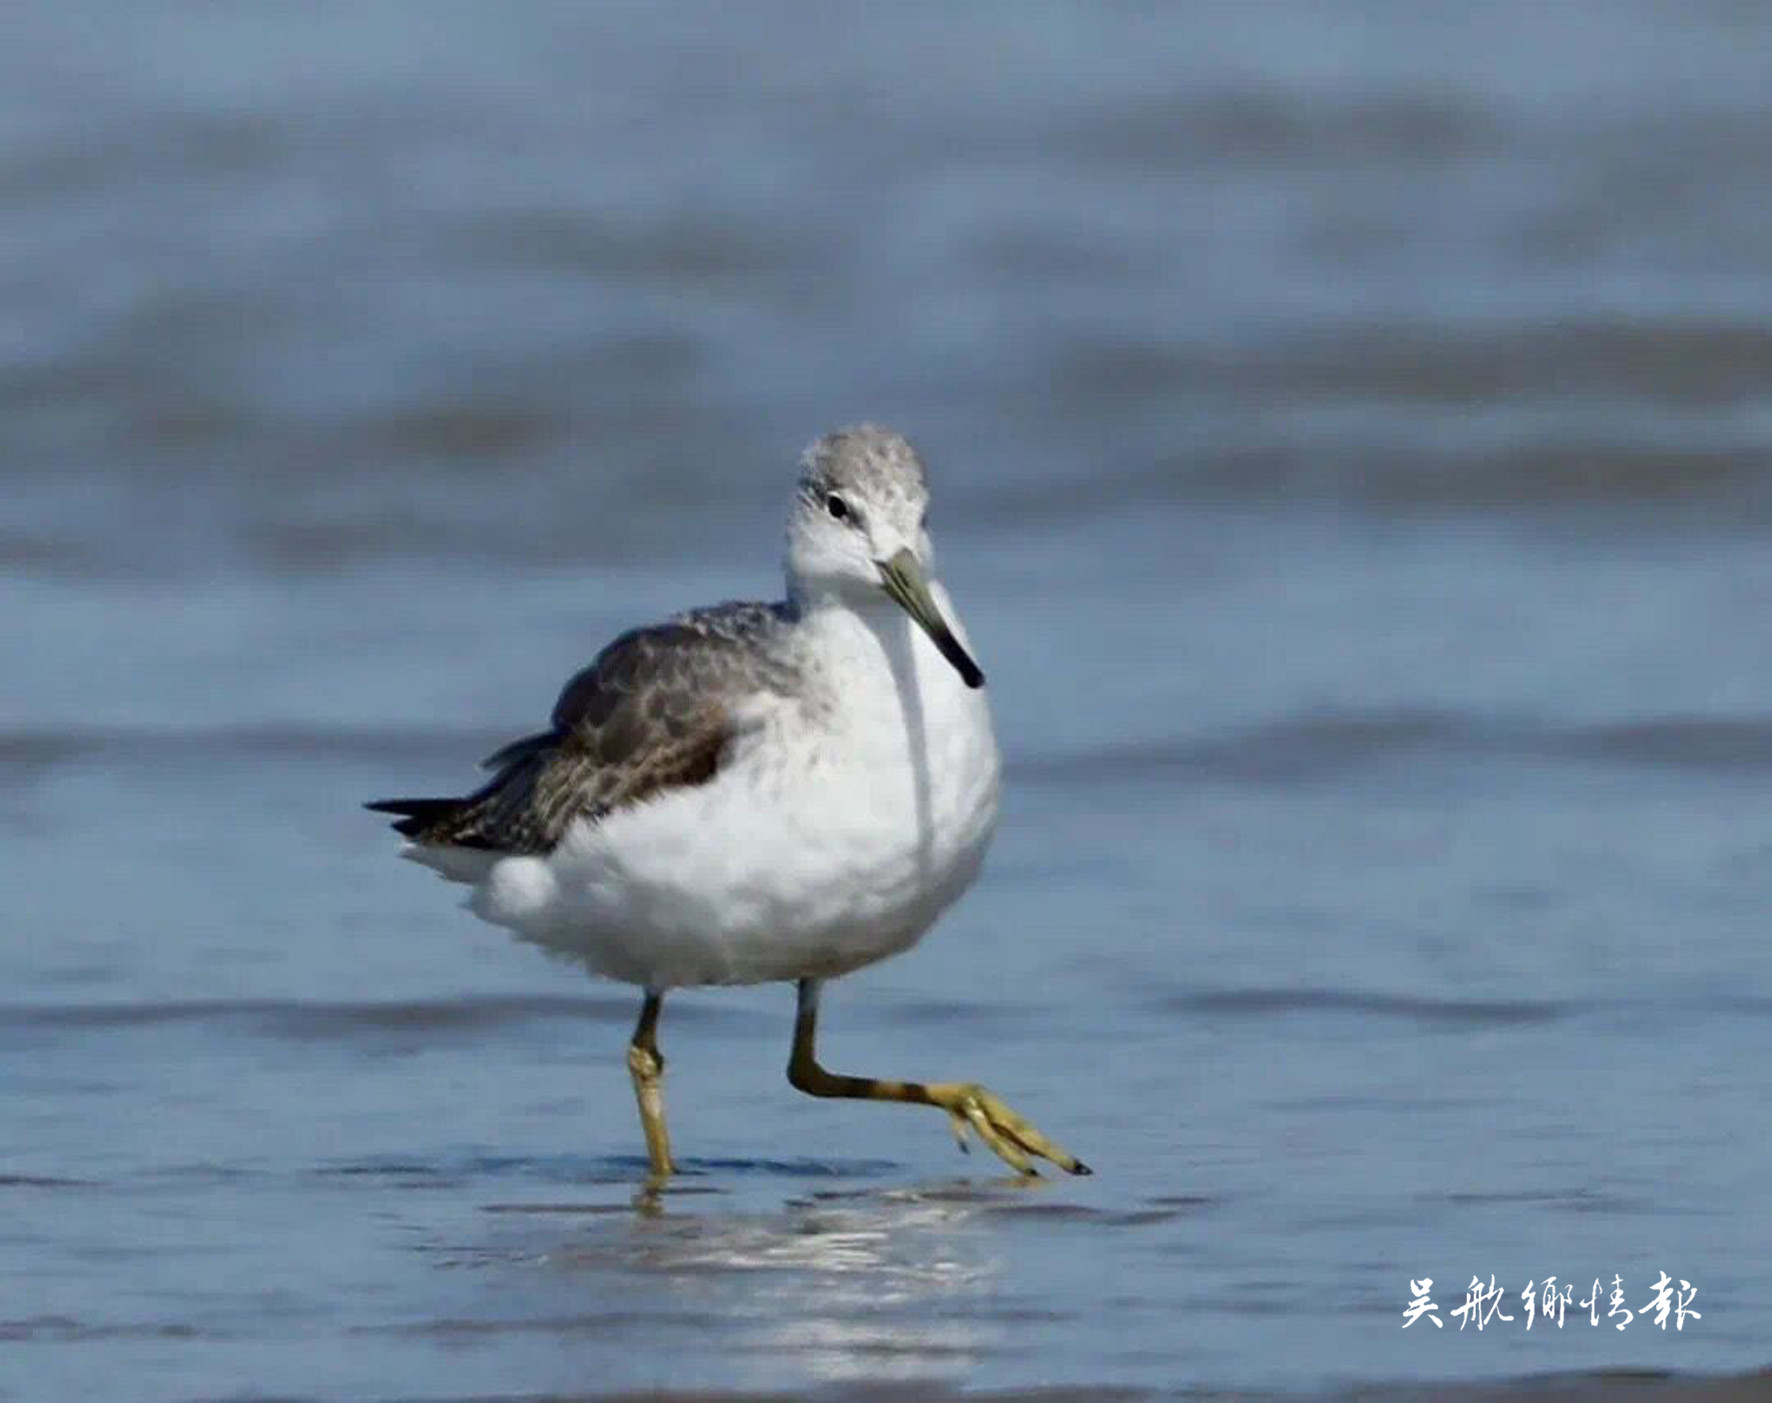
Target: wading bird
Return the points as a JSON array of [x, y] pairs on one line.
[[758, 792]]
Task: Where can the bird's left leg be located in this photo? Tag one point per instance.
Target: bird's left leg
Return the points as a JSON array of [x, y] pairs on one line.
[[968, 1104], [646, 1066]]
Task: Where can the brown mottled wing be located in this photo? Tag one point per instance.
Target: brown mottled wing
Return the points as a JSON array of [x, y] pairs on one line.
[[652, 713]]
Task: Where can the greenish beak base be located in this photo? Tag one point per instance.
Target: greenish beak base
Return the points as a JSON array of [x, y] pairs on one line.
[[903, 579]]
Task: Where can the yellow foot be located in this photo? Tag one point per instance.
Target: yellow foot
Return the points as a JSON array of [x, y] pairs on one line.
[[647, 1069], [1010, 1137]]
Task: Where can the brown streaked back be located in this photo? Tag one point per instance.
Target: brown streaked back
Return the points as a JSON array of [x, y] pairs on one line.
[[651, 714]]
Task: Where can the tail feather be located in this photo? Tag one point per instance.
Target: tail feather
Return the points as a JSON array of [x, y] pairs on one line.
[[417, 816]]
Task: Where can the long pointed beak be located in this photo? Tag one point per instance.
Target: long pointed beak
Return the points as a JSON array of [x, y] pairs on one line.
[[904, 580]]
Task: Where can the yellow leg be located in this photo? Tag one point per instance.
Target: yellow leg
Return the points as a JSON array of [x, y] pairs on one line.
[[968, 1105], [646, 1065]]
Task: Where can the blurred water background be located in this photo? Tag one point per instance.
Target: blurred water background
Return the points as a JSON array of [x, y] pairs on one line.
[[1350, 431]]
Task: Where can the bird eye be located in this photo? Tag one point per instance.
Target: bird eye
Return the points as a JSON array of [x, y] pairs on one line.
[[837, 507]]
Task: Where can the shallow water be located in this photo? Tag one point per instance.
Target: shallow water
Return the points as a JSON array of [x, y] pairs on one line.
[[1350, 435]]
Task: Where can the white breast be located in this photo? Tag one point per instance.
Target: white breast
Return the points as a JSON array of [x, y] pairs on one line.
[[839, 827]]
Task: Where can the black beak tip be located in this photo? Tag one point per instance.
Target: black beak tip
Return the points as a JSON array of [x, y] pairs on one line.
[[970, 672]]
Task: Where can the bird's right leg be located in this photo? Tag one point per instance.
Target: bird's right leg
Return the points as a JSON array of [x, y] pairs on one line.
[[646, 1066], [969, 1105]]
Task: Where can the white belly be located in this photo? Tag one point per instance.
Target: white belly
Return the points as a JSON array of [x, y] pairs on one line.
[[831, 837]]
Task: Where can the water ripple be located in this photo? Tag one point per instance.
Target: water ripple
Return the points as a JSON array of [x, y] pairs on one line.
[[302, 1020], [1453, 1012], [1299, 746], [1325, 744]]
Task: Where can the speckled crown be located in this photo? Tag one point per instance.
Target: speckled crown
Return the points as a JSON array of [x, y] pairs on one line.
[[865, 458]]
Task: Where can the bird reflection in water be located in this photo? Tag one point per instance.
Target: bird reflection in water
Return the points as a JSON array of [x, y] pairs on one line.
[[851, 1283]]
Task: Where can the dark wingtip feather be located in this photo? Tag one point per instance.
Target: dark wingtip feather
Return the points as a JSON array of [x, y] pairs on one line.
[[416, 815]]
